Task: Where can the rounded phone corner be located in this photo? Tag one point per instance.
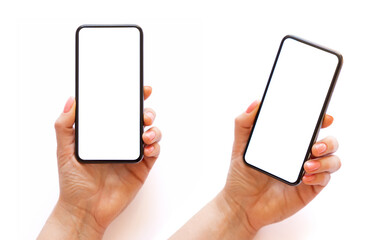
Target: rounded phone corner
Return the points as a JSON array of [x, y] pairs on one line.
[[138, 28], [137, 160], [80, 28], [290, 36], [298, 180], [295, 183], [287, 36], [79, 159], [245, 162], [339, 56]]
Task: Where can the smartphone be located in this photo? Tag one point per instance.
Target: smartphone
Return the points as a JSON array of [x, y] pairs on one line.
[[292, 109], [109, 94]]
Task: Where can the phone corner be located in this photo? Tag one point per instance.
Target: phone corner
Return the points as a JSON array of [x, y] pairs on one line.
[[79, 159], [139, 159], [295, 183], [288, 36], [339, 56], [138, 28], [79, 28], [245, 161], [291, 36], [298, 180]]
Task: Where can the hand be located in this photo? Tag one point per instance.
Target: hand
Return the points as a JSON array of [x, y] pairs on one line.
[[94, 194], [250, 199], [264, 199]]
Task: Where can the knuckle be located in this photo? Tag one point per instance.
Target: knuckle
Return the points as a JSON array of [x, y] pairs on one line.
[[158, 134], [325, 164], [157, 148], [58, 124], [333, 143], [156, 151], [325, 179], [237, 120], [338, 163]]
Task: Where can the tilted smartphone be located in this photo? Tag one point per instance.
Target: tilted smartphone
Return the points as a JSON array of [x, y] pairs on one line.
[[109, 93], [292, 109]]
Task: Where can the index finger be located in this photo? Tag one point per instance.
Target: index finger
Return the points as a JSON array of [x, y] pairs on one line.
[[327, 121], [147, 92]]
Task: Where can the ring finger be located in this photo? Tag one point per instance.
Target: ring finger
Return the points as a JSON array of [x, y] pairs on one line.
[[325, 164]]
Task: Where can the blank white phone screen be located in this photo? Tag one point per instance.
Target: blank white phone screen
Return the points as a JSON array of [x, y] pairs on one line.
[[290, 110], [109, 93]]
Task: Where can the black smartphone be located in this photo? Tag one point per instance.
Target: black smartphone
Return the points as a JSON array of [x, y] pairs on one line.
[[292, 109], [109, 94]]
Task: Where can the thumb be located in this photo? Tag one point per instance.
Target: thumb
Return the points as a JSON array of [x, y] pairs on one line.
[[64, 125], [243, 126]]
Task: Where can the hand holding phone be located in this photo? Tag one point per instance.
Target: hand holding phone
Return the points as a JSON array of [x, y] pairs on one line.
[[292, 109], [267, 191], [251, 200], [92, 195], [261, 199]]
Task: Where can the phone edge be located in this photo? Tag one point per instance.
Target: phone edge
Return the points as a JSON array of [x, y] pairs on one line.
[[141, 155], [322, 113]]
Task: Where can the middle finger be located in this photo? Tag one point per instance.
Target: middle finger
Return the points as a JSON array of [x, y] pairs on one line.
[[329, 164], [152, 135], [324, 147]]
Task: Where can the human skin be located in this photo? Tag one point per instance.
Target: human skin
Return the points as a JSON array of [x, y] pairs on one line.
[[251, 200], [92, 195]]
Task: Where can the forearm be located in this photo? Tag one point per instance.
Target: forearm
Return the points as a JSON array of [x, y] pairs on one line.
[[70, 223], [219, 219]]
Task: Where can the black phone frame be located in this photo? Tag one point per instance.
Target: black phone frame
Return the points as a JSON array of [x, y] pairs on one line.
[[141, 94], [321, 116]]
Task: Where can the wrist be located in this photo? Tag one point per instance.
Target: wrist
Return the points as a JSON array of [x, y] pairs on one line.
[[236, 215], [71, 222]]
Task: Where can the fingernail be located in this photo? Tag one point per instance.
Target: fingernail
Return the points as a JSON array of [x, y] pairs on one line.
[[320, 147], [150, 135], [311, 166], [150, 115], [150, 148], [308, 178], [69, 104], [252, 106]]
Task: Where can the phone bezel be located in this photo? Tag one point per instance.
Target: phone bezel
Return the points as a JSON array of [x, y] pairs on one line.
[[140, 157], [321, 116]]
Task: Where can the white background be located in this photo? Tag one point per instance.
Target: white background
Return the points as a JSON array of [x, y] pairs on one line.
[[207, 61]]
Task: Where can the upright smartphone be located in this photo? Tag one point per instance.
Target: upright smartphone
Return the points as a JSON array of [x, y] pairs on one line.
[[109, 93], [292, 109]]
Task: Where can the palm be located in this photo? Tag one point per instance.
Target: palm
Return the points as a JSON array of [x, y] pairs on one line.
[[269, 198], [106, 188]]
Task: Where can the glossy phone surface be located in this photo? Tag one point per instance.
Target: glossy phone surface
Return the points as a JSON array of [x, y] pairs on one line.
[[109, 93], [292, 109]]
